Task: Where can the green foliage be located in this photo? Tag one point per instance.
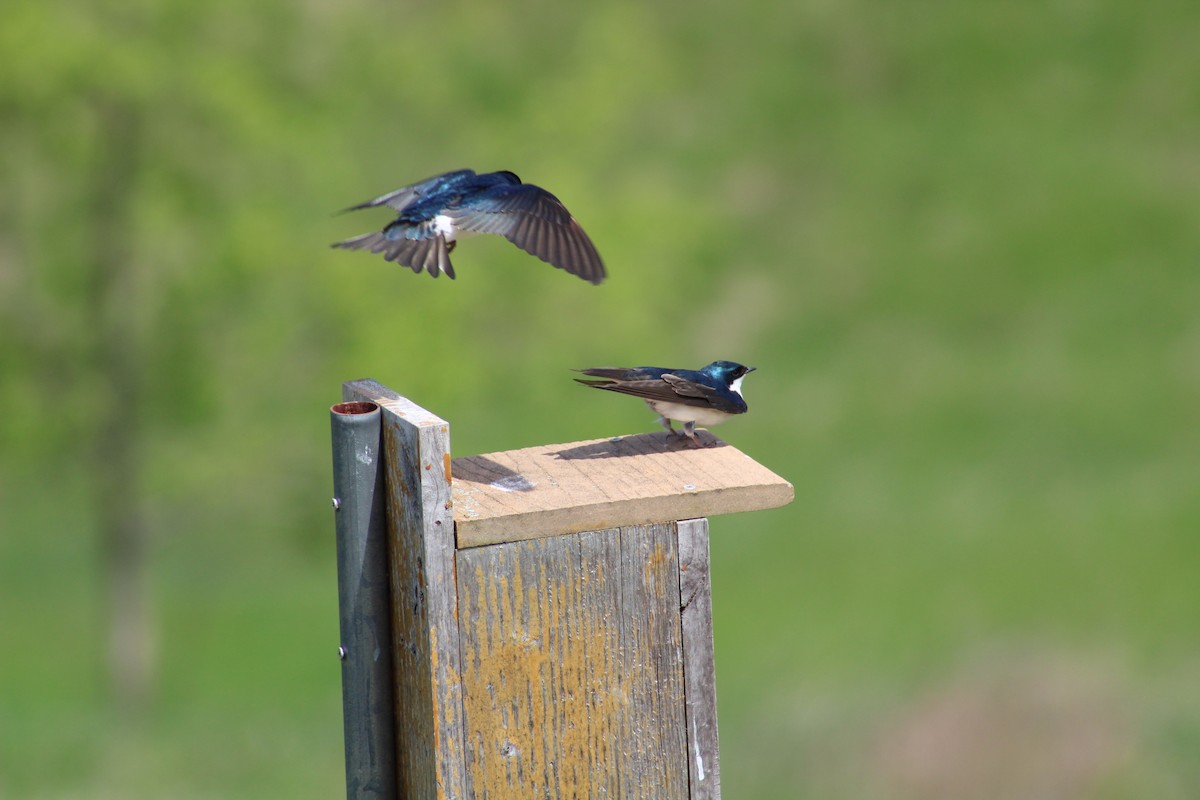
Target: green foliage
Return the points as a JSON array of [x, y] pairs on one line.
[[958, 240]]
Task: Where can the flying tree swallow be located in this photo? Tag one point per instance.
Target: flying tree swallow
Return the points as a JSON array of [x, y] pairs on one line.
[[436, 213], [703, 397]]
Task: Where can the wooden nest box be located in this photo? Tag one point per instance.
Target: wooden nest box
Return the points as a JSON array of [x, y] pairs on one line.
[[529, 624]]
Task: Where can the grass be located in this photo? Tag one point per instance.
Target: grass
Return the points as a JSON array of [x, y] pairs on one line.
[[958, 242]]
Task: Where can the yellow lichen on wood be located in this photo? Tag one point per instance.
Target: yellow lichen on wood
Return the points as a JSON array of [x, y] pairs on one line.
[[558, 700]]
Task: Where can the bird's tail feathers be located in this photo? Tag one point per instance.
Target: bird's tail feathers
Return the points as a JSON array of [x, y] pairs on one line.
[[611, 385], [610, 373]]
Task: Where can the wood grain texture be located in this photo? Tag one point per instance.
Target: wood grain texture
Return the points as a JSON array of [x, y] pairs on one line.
[[428, 691], [572, 667], [700, 678], [605, 483]]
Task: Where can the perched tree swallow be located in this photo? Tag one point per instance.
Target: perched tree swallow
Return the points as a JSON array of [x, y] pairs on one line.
[[436, 213], [694, 397]]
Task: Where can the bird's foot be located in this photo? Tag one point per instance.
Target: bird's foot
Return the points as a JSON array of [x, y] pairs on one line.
[[689, 430]]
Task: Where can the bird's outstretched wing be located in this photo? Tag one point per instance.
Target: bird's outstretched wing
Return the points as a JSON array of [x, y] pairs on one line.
[[430, 254], [535, 221], [406, 195]]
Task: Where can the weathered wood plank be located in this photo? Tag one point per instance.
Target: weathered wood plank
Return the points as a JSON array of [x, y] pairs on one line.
[[428, 692], [605, 483], [699, 672], [653, 661], [572, 667]]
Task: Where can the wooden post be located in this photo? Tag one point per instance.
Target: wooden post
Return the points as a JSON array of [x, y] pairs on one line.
[[551, 611]]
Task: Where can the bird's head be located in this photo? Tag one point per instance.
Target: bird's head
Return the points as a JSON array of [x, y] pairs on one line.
[[727, 371]]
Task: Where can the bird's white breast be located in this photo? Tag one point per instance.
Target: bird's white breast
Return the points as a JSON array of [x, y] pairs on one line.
[[683, 413]]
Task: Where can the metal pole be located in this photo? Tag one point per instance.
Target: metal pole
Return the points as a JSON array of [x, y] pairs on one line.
[[363, 602]]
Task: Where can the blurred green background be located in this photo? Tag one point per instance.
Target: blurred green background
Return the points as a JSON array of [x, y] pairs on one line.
[[959, 241]]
